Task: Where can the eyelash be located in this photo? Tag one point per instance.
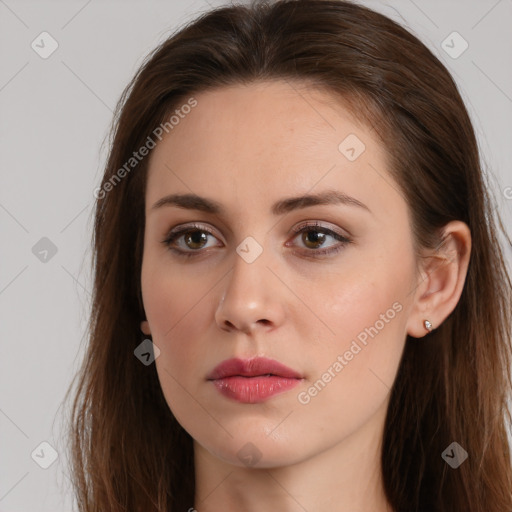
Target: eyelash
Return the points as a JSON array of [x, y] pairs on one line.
[[304, 228]]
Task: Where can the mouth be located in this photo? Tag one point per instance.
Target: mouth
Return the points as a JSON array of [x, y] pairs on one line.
[[255, 367], [253, 380]]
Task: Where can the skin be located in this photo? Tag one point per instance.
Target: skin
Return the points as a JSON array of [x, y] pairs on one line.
[[247, 147]]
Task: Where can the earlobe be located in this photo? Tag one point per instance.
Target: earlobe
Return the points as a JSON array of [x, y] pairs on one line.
[[442, 279], [144, 327]]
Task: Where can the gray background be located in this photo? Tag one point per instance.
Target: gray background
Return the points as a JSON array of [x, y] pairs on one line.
[[55, 113]]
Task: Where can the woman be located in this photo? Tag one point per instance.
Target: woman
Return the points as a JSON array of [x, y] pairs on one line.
[[300, 300]]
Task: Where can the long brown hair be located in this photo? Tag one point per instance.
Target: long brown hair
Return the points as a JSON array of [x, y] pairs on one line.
[[128, 452]]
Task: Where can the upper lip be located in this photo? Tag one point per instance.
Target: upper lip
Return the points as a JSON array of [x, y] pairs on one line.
[[251, 368]]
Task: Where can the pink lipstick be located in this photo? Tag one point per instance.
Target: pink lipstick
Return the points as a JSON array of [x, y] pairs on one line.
[[253, 380]]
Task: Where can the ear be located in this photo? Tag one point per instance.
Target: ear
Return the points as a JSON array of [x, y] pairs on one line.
[[144, 327], [441, 279]]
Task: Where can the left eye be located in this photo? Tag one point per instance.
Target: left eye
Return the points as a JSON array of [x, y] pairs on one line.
[[196, 237], [316, 234]]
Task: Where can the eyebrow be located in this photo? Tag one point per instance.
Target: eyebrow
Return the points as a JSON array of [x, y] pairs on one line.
[[195, 202]]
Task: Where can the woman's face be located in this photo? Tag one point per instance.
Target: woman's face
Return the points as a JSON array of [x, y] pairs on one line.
[[246, 283]]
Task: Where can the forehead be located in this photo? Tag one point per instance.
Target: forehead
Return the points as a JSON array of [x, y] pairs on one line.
[[278, 108], [266, 136]]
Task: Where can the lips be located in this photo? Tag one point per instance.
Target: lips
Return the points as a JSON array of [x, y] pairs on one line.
[[258, 366], [251, 381]]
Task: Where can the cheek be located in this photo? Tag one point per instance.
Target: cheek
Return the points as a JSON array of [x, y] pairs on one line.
[[352, 374], [365, 313], [177, 320], [170, 297], [175, 307], [361, 300]]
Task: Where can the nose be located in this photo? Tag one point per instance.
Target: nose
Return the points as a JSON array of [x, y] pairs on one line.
[[252, 298]]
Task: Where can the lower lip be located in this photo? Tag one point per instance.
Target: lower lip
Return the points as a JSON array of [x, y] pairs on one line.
[[252, 390]]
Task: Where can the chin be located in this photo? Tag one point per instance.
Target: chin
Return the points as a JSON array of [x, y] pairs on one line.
[[257, 451]]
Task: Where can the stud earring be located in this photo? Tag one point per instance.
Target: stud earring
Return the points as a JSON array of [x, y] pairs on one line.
[[427, 325]]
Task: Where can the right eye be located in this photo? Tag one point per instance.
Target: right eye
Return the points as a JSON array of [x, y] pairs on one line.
[[193, 236]]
